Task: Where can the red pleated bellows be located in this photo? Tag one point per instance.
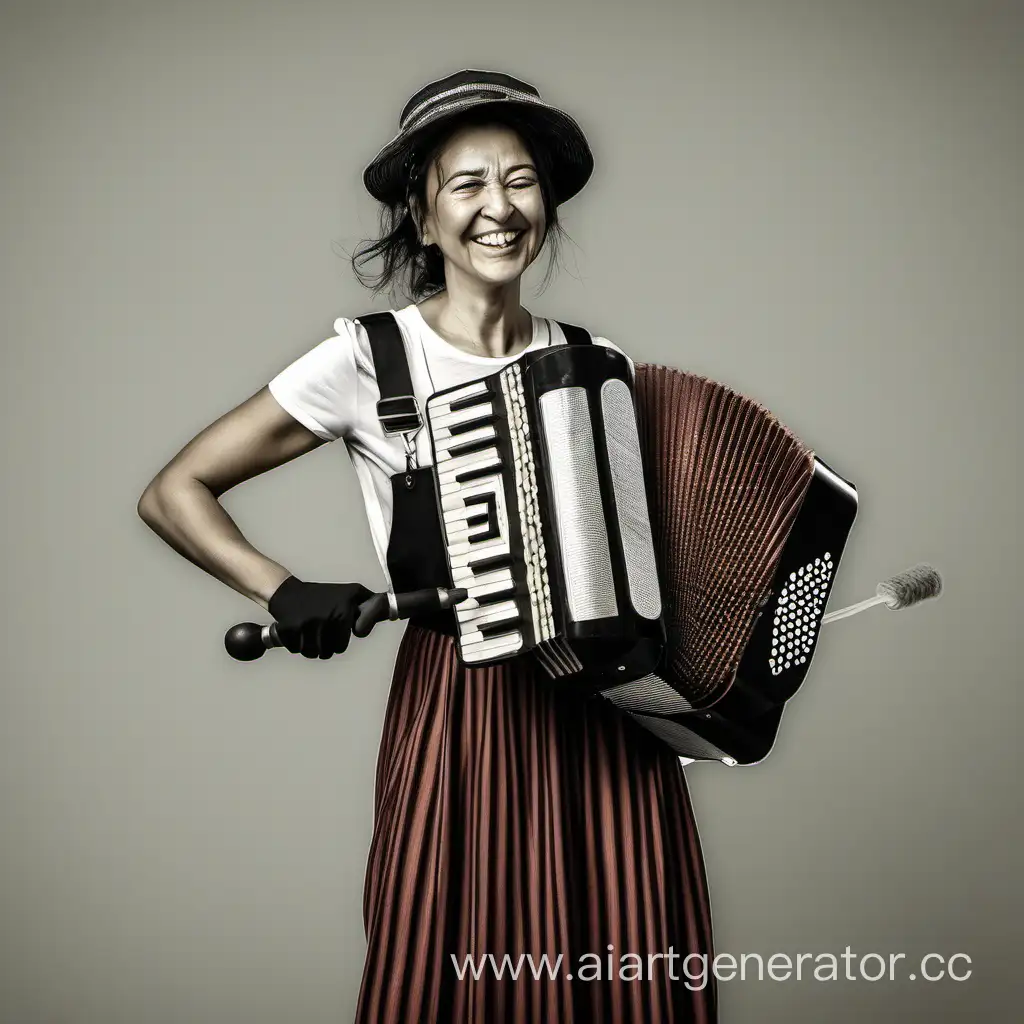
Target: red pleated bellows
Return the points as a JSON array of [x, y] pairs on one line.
[[726, 480]]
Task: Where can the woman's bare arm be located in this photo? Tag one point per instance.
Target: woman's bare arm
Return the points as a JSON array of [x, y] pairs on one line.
[[181, 504]]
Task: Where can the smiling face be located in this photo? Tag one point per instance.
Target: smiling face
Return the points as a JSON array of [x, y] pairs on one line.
[[484, 205]]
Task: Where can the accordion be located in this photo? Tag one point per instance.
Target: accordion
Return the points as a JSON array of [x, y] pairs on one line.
[[661, 542]]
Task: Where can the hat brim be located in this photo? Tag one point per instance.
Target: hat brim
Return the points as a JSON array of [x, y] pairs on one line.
[[569, 153]]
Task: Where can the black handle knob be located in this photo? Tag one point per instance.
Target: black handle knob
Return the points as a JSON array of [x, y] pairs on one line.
[[248, 641]]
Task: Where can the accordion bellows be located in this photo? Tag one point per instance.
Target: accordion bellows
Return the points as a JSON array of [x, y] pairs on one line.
[[726, 481]]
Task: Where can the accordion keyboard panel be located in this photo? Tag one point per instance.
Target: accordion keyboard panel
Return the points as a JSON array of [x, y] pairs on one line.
[[471, 474]]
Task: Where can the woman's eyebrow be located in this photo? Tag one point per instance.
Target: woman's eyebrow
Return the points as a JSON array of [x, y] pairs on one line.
[[479, 172]]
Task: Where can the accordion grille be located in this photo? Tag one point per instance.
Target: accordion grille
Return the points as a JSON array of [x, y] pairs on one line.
[[682, 741], [650, 695], [578, 508], [627, 474], [726, 481], [798, 612]]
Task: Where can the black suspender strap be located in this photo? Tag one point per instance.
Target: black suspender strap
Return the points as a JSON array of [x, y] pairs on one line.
[[574, 335], [397, 409]]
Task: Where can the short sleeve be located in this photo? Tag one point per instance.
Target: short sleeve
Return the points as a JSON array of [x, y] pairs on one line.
[[319, 388]]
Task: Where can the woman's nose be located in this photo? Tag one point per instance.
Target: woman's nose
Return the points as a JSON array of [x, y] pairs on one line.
[[497, 204]]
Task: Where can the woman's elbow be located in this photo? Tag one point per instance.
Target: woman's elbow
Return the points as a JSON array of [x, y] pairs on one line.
[[150, 503], [160, 496]]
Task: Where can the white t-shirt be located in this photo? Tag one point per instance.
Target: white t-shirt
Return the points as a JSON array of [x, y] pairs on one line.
[[333, 392]]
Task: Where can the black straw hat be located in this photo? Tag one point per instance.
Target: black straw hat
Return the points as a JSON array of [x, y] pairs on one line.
[[386, 178]]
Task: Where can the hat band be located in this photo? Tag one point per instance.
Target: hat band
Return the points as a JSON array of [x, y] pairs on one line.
[[436, 103]]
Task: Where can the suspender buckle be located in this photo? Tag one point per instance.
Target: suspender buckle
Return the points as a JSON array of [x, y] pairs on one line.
[[399, 415]]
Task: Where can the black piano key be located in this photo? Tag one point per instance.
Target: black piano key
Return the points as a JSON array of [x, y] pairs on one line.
[[508, 594], [475, 474], [481, 445], [489, 629], [489, 518], [473, 424], [478, 520], [469, 401], [489, 562]]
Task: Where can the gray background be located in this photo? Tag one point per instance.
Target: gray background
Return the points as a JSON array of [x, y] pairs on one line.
[[817, 203]]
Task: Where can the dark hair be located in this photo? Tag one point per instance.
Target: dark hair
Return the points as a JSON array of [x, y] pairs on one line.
[[404, 259]]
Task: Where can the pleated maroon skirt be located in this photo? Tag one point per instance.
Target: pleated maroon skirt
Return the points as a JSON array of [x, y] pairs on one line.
[[511, 819]]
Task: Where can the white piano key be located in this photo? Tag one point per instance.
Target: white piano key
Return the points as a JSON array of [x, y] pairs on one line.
[[471, 490], [453, 489], [452, 486], [443, 457], [458, 463], [462, 545], [478, 592], [479, 434], [474, 639], [493, 651], [469, 580], [461, 535], [468, 541], [475, 646], [484, 399], [476, 617], [489, 581], [441, 425], [469, 535], [476, 387], [460, 511], [476, 460], [491, 611], [488, 549]]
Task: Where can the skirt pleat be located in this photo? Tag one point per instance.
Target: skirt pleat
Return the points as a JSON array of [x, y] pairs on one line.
[[509, 819]]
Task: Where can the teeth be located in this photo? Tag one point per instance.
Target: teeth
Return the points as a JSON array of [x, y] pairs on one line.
[[498, 239]]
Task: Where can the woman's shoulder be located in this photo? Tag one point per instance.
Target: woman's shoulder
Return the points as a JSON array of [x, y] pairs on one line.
[[351, 324], [558, 335], [345, 350], [357, 338]]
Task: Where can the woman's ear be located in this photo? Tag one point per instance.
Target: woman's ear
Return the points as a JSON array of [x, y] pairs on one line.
[[418, 220]]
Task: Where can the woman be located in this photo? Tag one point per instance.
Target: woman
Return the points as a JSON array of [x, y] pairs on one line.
[[509, 819]]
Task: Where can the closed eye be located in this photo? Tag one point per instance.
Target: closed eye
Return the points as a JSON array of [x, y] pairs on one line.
[[518, 183]]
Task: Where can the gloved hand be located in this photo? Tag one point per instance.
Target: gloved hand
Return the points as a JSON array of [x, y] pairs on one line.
[[315, 619]]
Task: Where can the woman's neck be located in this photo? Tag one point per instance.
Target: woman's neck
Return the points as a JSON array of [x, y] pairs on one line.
[[488, 323]]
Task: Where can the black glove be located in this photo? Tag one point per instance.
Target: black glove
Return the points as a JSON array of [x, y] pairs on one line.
[[315, 619]]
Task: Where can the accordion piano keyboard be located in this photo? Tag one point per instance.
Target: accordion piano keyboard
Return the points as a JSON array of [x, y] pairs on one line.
[[470, 477]]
